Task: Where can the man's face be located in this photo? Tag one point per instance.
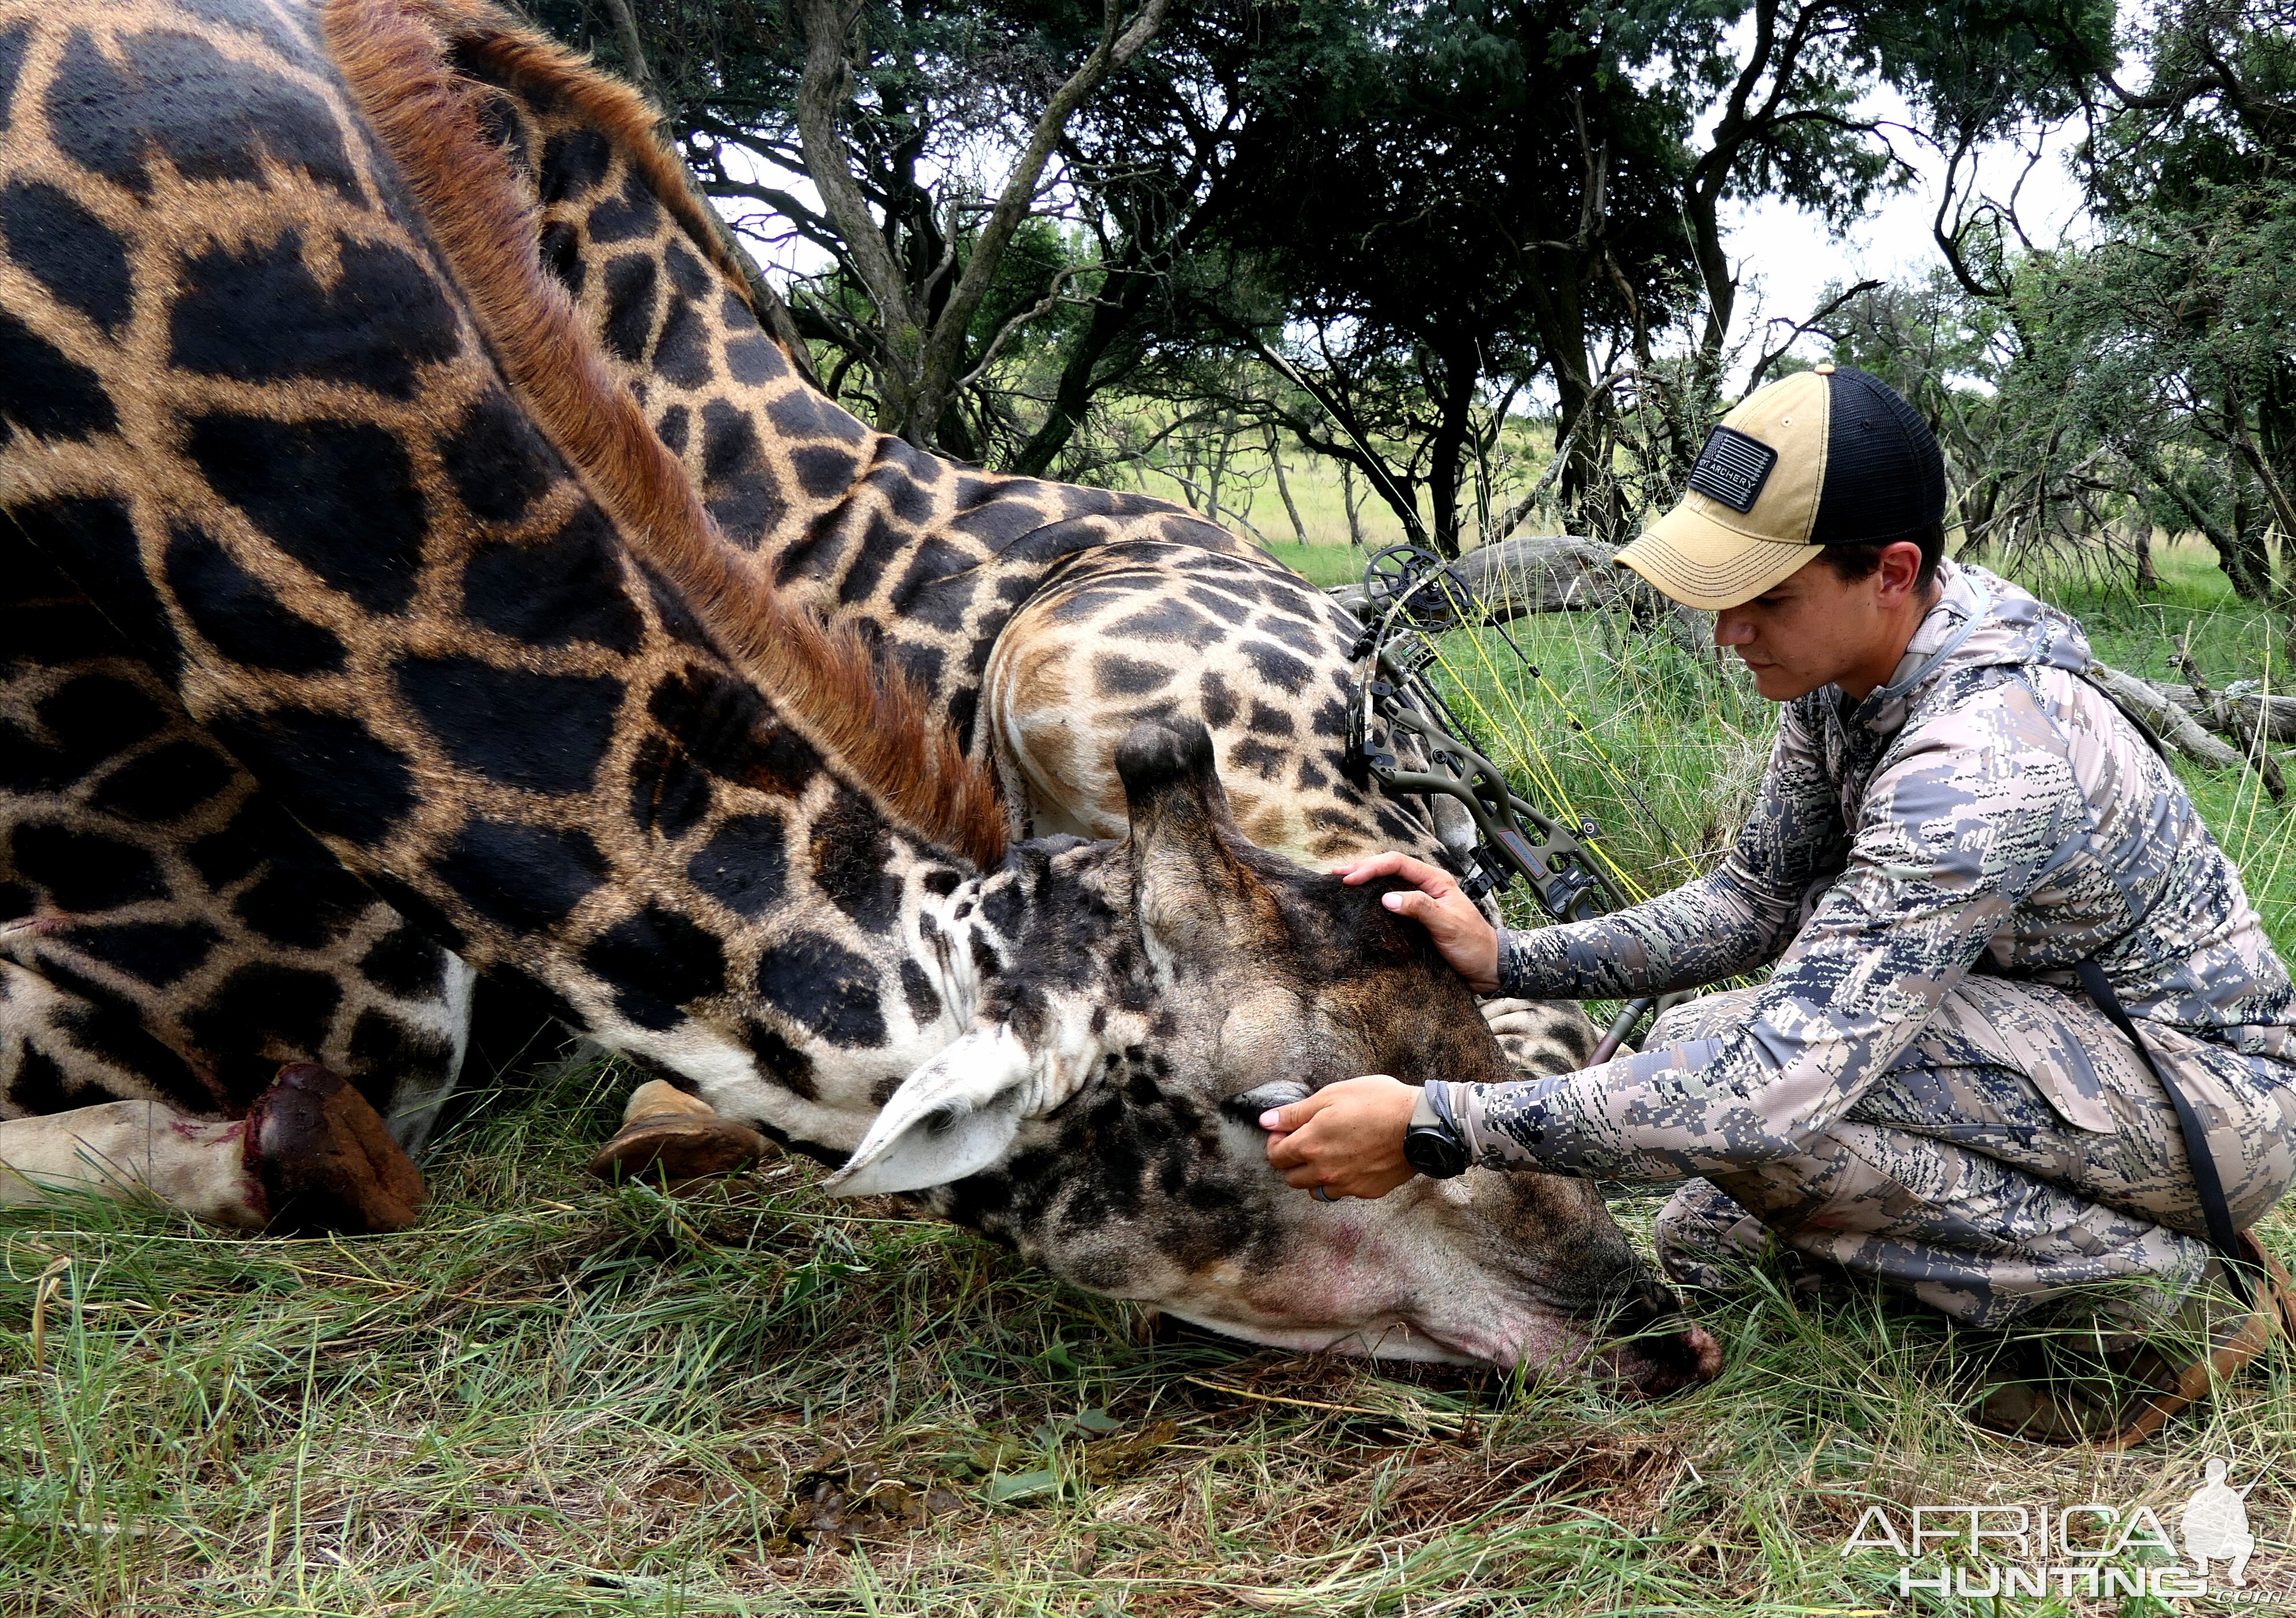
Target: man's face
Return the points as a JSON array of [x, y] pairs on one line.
[[1816, 629]]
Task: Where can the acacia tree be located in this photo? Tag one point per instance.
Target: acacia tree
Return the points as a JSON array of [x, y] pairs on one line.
[[2148, 366], [945, 143], [1443, 202]]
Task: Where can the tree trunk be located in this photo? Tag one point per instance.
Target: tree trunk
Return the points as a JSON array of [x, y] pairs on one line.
[[1282, 487], [2147, 580], [1447, 456], [1355, 511], [2249, 566], [1218, 465]]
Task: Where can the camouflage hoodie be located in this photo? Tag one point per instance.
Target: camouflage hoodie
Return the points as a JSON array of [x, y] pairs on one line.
[[1987, 811]]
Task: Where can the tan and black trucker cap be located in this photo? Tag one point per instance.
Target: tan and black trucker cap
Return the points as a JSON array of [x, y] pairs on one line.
[[1829, 457]]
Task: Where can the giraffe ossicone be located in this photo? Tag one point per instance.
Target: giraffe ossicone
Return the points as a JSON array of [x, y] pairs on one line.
[[374, 518]]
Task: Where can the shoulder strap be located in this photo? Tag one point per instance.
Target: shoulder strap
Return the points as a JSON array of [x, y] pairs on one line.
[[2215, 1212], [2136, 721]]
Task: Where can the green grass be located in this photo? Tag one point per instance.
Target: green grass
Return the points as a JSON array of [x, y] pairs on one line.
[[555, 1398]]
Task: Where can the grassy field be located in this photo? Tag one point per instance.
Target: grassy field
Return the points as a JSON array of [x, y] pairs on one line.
[[555, 1398]]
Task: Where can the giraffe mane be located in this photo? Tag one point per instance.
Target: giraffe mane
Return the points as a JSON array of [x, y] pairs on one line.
[[394, 55]]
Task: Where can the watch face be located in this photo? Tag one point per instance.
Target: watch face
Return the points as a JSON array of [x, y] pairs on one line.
[[1434, 1154]]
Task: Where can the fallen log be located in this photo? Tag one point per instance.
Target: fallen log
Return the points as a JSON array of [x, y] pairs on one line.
[[1557, 573], [2277, 714], [1551, 574], [1535, 573]]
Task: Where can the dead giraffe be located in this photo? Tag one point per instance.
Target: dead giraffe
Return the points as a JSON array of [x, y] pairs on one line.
[[1042, 620], [281, 396]]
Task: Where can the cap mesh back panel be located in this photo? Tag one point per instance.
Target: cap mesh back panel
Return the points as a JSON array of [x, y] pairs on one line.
[[1884, 474]]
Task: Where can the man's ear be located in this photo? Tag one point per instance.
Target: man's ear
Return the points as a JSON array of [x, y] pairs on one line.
[[954, 1116], [1190, 882]]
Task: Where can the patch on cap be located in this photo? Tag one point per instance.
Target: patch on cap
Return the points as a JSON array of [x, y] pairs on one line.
[[1733, 468]]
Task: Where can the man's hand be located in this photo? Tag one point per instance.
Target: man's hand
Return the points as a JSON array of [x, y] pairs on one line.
[[1347, 1138], [1453, 920]]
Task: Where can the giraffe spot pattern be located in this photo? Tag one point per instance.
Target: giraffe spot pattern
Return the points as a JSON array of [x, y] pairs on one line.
[[44, 391], [167, 783], [739, 491], [262, 317], [629, 216], [264, 1004], [83, 871], [659, 962], [523, 876], [11, 67], [110, 1029], [157, 953], [851, 850], [498, 463], [327, 769], [277, 906], [76, 257], [238, 615], [546, 733], [574, 163], [404, 962], [339, 497], [744, 866], [180, 101], [554, 592], [669, 794], [631, 288], [824, 988]]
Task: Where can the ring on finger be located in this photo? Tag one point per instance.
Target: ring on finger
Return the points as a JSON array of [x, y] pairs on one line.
[[1322, 1193]]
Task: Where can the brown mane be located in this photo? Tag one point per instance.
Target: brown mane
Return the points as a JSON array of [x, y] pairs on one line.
[[394, 55]]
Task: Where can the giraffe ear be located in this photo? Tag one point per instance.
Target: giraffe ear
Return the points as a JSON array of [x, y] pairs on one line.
[[953, 1116], [1191, 884]]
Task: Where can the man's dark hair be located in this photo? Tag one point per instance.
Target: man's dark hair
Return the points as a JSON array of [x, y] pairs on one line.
[[1852, 563]]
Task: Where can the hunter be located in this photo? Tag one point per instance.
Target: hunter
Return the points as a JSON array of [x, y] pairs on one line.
[[1972, 870]]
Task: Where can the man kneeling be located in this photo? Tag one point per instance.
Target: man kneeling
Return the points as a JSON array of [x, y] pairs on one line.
[[1958, 830]]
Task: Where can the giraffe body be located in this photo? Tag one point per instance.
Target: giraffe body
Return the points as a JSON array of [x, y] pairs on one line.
[[288, 394], [1042, 620]]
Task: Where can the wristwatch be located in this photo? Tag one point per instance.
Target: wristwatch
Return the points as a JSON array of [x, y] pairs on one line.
[[1429, 1146]]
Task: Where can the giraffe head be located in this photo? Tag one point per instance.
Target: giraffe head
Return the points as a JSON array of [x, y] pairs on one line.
[[1153, 996]]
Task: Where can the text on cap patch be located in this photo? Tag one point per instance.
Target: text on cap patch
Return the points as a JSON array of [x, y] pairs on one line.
[[1732, 468]]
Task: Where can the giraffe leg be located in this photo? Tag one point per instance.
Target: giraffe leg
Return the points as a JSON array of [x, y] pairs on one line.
[[671, 1136], [311, 1155], [127, 1148]]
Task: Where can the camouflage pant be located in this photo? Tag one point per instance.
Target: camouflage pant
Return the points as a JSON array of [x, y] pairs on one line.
[[2017, 1152]]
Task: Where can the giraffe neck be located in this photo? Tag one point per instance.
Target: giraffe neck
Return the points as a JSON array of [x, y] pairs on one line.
[[299, 472], [926, 560]]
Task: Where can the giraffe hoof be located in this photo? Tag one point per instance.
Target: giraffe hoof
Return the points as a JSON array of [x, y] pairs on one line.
[[326, 1159], [672, 1147]]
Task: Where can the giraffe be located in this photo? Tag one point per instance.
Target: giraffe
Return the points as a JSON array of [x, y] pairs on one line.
[[286, 398], [1041, 620], [168, 937]]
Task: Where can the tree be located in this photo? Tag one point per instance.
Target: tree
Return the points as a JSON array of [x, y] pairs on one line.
[[929, 132], [2147, 368], [1443, 202]]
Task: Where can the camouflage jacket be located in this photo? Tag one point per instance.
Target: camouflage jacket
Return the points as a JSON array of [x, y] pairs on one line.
[[1987, 811]]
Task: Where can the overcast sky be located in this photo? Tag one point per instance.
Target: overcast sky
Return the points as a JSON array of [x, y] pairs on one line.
[[1792, 257]]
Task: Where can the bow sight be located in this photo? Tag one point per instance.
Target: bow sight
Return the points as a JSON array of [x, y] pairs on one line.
[[1409, 598]]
